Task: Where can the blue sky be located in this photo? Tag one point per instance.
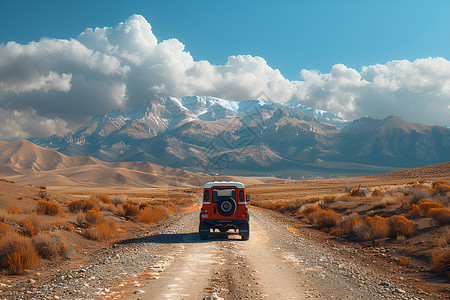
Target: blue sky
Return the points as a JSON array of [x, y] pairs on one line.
[[289, 35], [63, 62]]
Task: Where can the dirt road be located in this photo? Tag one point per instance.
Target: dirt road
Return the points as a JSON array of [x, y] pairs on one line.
[[277, 262]]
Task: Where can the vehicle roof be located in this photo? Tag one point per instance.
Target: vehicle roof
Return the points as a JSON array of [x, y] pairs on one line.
[[224, 183]]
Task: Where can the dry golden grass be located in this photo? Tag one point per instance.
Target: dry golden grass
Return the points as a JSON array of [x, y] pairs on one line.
[[82, 205], [70, 228], [153, 214], [401, 226], [50, 245], [17, 253], [48, 208]]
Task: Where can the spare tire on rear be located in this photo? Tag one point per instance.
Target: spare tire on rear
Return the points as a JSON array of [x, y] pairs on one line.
[[226, 206]]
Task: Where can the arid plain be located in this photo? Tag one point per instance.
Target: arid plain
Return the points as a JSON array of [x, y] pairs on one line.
[[90, 229]]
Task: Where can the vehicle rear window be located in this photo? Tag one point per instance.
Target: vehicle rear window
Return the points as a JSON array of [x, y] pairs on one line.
[[206, 195], [219, 193]]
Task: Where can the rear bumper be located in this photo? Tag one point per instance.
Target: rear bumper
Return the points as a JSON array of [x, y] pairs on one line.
[[224, 223]]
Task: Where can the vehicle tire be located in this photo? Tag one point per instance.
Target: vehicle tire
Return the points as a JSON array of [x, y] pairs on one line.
[[244, 231], [226, 206], [203, 230]]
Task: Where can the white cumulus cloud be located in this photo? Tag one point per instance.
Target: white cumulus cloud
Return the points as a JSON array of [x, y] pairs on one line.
[[61, 83], [418, 91]]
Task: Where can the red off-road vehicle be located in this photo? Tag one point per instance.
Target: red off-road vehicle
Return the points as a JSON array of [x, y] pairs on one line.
[[224, 208]]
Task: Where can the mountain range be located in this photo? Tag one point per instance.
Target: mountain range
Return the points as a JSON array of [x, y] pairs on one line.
[[213, 135]]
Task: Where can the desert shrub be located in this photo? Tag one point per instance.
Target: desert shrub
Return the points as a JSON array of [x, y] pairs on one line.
[[438, 182], [329, 199], [14, 210], [106, 207], [153, 214], [143, 205], [346, 227], [291, 207], [386, 201], [48, 208], [4, 228], [118, 199], [441, 188], [29, 227], [322, 217], [348, 212], [419, 194], [55, 224], [81, 218], [377, 193], [82, 205], [270, 204], [100, 232], [358, 192], [4, 215], [372, 228], [414, 211], [311, 209], [440, 261], [426, 204], [50, 244], [401, 226], [94, 217], [442, 240], [17, 253], [440, 214], [6, 180], [101, 198], [404, 261], [120, 211], [130, 209]]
